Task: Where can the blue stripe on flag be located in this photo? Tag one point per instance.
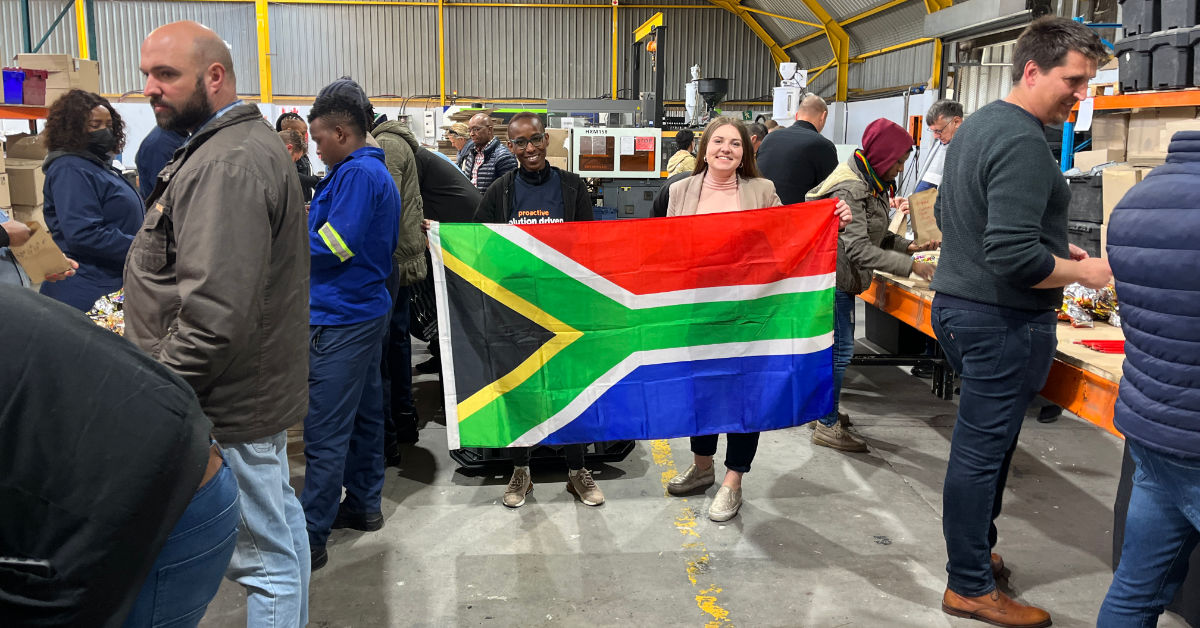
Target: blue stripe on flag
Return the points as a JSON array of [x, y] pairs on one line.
[[748, 394]]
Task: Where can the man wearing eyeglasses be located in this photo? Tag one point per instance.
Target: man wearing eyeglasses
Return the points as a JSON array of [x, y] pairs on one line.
[[942, 119], [538, 193], [486, 159]]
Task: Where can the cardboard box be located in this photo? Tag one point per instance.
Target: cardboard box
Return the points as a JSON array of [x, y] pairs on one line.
[[27, 214], [1111, 132], [1085, 160], [5, 192], [25, 181], [557, 146], [40, 256], [1117, 180], [1150, 132], [66, 73], [557, 162], [920, 212], [25, 146]]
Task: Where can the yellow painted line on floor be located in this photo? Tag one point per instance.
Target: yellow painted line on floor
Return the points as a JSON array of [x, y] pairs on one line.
[[686, 524]]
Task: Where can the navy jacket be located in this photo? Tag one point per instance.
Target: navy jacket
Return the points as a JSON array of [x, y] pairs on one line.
[[796, 159], [154, 153], [1154, 249], [93, 214], [497, 162]]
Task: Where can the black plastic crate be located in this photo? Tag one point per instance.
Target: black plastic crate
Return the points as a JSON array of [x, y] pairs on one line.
[[1087, 199], [1133, 59], [1180, 14], [1171, 59], [1085, 235], [1141, 17]]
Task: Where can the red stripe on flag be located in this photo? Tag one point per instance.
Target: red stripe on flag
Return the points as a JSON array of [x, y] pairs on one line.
[[710, 250]]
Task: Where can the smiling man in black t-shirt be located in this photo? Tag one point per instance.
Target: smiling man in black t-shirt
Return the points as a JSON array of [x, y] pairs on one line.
[[538, 193]]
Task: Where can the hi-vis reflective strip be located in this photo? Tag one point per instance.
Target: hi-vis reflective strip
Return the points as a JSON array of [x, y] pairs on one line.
[[334, 241]]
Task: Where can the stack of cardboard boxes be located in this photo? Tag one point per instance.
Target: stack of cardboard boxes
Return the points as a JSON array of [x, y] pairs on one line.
[[65, 73], [23, 178], [1137, 141]]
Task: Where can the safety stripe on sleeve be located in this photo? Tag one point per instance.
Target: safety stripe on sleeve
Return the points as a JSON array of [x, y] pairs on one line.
[[334, 241]]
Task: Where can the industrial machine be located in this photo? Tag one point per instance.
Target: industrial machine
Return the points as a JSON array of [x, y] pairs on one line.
[[787, 96]]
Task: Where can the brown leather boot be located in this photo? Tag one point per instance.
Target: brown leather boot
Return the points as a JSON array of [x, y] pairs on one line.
[[996, 609]]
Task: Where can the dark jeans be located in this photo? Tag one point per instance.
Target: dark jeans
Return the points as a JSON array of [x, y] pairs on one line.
[[573, 454], [1003, 362], [1162, 529], [739, 449], [191, 564], [843, 347], [399, 412], [343, 432]]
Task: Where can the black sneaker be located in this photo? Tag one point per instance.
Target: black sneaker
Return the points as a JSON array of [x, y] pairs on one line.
[[432, 366], [406, 427], [364, 521], [391, 456], [318, 557], [924, 370]]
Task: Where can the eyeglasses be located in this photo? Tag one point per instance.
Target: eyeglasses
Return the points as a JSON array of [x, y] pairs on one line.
[[536, 139], [938, 132], [477, 129]]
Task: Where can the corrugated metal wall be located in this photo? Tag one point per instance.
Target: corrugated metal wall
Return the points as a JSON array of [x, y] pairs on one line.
[[717, 40], [41, 16], [495, 52], [388, 50], [121, 27], [978, 85]]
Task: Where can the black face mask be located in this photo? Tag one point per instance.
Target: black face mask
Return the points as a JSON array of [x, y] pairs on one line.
[[102, 143]]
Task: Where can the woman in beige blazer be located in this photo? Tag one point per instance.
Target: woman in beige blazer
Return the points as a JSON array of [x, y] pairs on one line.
[[726, 178]]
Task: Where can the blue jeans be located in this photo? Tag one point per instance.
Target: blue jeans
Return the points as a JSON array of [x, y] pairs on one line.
[[188, 570], [843, 347], [1161, 531], [343, 432], [1003, 361], [271, 558]]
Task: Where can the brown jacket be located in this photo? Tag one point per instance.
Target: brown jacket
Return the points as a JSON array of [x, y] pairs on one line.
[[865, 245], [756, 193], [216, 282]]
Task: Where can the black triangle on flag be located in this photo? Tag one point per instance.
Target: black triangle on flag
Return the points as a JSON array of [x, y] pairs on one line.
[[488, 338]]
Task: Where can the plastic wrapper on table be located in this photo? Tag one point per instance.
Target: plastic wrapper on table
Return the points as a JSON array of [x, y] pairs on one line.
[[109, 313], [1082, 306]]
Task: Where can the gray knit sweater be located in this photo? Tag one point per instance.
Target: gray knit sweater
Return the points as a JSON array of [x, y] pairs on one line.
[[1002, 209]]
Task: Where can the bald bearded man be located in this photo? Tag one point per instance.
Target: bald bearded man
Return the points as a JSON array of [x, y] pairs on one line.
[[216, 288]]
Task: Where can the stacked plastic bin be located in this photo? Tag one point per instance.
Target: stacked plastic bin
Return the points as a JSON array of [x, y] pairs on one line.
[[1159, 49]]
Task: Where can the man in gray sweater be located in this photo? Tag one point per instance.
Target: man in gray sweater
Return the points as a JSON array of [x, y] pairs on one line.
[[1005, 259]]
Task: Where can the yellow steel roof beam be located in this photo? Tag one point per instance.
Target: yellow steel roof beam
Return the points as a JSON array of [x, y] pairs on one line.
[[649, 25], [839, 43], [735, 7]]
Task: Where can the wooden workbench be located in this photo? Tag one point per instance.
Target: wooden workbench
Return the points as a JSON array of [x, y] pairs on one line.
[[1081, 380]]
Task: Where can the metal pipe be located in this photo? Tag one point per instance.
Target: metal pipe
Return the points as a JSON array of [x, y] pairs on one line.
[[61, 15], [89, 7], [81, 29], [660, 36], [782, 17], [615, 44], [263, 26]]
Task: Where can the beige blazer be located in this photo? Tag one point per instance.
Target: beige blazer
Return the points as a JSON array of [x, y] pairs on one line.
[[752, 194]]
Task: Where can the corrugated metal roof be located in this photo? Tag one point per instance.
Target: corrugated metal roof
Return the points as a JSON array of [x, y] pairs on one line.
[[41, 16], [121, 27], [388, 50], [813, 53], [903, 23], [910, 66]]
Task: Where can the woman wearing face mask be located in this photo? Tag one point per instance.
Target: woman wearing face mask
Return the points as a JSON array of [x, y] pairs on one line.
[[91, 210], [726, 178]]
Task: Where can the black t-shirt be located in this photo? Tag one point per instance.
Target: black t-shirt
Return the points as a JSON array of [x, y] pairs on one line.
[[537, 198], [447, 194]]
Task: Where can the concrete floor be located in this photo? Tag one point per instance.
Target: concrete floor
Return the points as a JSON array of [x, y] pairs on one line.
[[824, 539]]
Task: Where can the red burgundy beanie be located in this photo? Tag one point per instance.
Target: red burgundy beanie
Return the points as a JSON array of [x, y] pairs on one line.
[[884, 143]]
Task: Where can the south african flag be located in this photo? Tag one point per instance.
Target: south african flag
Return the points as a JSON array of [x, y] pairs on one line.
[[640, 329]]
